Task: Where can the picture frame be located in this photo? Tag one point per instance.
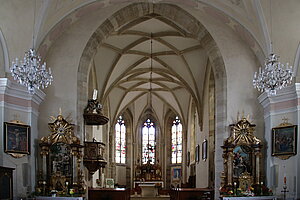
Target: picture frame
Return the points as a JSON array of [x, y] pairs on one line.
[[176, 173], [204, 150], [197, 154], [109, 183], [284, 141], [16, 138]]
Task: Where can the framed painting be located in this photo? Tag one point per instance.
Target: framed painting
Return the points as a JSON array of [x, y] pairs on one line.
[[284, 141], [197, 153], [16, 138], [176, 173], [109, 183], [204, 150]]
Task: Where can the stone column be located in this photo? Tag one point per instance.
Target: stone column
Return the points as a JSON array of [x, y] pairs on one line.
[[257, 154], [285, 104], [74, 164], [44, 164], [230, 166]]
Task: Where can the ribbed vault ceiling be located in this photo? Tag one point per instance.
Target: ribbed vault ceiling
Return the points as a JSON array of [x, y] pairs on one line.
[[123, 66]]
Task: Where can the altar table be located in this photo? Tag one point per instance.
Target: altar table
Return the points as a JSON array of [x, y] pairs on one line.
[[109, 193], [148, 190], [137, 183], [249, 198]]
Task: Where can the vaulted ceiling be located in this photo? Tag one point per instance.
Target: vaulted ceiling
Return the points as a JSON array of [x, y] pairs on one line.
[[124, 62], [151, 49]]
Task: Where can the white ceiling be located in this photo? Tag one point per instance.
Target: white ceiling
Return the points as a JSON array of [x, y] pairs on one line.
[[123, 67]]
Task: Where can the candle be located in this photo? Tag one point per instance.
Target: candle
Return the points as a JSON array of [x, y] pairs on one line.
[[95, 94], [284, 178]]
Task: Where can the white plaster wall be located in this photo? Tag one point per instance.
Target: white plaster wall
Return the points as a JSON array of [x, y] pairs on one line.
[[275, 167], [63, 58], [16, 22], [202, 168], [121, 175], [12, 96], [240, 64], [2, 63], [285, 27]]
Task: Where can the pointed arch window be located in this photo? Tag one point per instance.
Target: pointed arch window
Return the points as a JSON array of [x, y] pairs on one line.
[[176, 141], [120, 134], [148, 142]]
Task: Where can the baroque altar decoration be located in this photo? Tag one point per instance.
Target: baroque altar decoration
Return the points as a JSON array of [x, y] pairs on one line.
[[61, 154], [148, 172], [242, 175]]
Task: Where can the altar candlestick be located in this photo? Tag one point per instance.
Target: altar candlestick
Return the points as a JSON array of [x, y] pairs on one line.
[[95, 94]]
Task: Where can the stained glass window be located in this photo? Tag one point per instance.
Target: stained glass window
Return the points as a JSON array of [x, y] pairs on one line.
[[148, 142], [176, 141], [120, 129]]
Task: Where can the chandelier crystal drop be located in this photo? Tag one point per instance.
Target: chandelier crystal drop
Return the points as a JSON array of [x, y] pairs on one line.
[[30, 73], [273, 77]]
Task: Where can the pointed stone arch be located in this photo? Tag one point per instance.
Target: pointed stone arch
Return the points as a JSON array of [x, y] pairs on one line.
[[193, 28]]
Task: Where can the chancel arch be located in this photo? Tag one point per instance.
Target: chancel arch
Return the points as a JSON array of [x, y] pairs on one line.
[[150, 61], [130, 89]]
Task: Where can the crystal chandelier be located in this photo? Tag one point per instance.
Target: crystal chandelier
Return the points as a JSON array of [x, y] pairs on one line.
[[273, 77], [30, 72]]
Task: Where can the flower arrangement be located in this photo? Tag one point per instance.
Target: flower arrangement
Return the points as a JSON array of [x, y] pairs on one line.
[[226, 191], [254, 190], [72, 191], [261, 190]]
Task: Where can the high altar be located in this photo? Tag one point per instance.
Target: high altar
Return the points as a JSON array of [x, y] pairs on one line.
[[148, 179]]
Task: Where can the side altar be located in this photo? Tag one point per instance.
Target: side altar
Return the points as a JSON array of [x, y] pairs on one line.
[[61, 156], [243, 166]]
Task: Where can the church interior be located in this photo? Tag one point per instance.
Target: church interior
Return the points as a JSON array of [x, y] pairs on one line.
[[149, 99]]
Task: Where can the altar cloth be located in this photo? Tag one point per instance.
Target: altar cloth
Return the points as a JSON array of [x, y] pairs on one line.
[[59, 198], [249, 198], [148, 190]]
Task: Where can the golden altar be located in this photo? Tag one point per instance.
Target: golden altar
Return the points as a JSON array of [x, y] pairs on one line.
[[242, 157]]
